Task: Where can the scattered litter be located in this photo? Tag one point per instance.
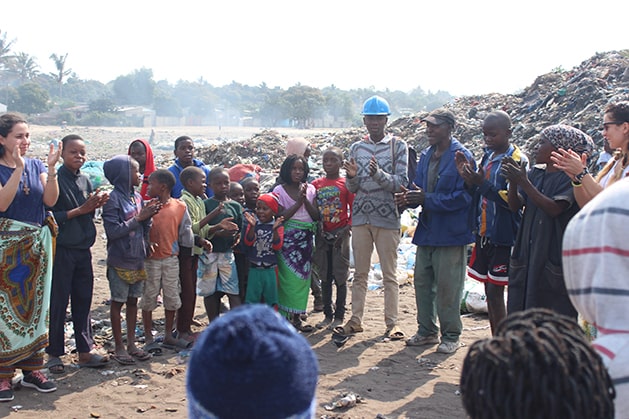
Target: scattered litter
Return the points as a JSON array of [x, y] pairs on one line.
[[94, 415], [17, 407], [346, 401]]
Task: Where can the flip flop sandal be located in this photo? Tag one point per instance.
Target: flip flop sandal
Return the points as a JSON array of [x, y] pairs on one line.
[[180, 344], [96, 361], [55, 365], [141, 355], [340, 340], [394, 333], [348, 329], [124, 359]]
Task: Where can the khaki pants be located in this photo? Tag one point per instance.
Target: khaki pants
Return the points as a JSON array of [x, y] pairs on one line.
[[364, 237]]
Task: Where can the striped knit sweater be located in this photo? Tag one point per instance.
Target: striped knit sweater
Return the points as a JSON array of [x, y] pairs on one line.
[[596, 269], [374, 203]]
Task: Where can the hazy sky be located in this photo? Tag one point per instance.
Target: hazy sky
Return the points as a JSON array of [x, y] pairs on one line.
[[460, 46]]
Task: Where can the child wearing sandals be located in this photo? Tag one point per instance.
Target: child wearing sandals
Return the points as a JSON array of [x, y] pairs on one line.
[[171, 229], [263, 238], [126, 222]]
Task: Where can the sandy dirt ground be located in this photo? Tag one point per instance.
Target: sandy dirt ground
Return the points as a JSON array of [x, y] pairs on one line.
[[392, 380]]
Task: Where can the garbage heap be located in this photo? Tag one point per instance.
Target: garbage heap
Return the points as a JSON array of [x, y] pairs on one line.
[[576, 97]]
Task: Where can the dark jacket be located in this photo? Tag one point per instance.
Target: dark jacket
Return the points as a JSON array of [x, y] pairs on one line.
[[74, 189], [502, 223], [127, 239], [445, 219]]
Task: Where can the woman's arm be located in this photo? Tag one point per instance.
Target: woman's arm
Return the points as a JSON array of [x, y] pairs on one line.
[[9, 189], [49, 180]]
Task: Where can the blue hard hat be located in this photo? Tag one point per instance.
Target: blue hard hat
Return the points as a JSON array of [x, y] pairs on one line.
[[376, 105]]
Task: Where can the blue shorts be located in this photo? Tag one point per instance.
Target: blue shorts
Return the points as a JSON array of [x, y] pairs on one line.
[[121, 290], [217, 273]]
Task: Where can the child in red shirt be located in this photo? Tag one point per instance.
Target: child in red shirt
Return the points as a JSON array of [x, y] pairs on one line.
[[331, 257]]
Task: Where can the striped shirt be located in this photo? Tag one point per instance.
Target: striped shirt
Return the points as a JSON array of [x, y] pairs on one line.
[[596, 266]]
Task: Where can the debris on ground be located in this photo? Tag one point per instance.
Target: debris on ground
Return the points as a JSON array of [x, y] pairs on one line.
[[346, 401]]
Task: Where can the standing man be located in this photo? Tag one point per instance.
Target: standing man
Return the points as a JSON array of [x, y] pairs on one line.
[[376, 170], [443, 231]]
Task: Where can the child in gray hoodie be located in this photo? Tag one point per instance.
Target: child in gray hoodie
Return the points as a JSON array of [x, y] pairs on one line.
[[127, 222]]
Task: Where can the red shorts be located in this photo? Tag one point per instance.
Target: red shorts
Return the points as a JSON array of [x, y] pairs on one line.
[[489, 263]]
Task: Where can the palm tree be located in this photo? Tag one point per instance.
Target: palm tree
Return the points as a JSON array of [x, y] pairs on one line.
[[60, 63], [5, 53], [25, 67]]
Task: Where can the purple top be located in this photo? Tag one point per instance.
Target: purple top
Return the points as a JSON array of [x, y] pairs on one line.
[[25, 207], [286, 201]]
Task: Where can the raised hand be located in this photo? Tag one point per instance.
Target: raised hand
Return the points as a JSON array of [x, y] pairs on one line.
[[514, 172], [278, 222], [250, 218], [54, 156], [351, 168]]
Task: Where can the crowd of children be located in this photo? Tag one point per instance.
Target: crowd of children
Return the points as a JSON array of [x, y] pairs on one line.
[[190, 231]]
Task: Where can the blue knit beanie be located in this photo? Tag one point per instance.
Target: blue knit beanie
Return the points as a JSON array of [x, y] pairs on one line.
[[251, 363]]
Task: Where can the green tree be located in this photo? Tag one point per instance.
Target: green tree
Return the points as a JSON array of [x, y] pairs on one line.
[[137, 88], [24, 67], [62, 72], [339, 104], [167, 106], [30, 99], [104, 105], [273, 108], [304, 103]]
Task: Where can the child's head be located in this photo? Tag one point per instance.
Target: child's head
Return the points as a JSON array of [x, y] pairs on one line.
[[539, 365], [299, 146], [193, 180], [236, 192], [565, 137], [219, 182], [294, 169], [267, 207], [251, 189], [122, 172], [332, 161], [134, 168], [73, 153], [161, 182], [249, 363], [184, 150], [497, 131], [137, 150]]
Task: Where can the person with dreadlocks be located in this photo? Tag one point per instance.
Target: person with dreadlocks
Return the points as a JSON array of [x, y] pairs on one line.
[[538, 365], [545, 193], [596, 262]]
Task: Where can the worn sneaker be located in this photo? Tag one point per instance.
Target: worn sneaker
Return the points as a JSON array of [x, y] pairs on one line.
[[448, 347], [417, 340], [6, 390], [38, 381]]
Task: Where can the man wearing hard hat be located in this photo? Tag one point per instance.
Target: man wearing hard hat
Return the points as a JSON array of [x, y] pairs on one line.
[[377, 168]]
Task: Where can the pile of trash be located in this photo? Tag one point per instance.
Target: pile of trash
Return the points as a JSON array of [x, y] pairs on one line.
[[576, 97]]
